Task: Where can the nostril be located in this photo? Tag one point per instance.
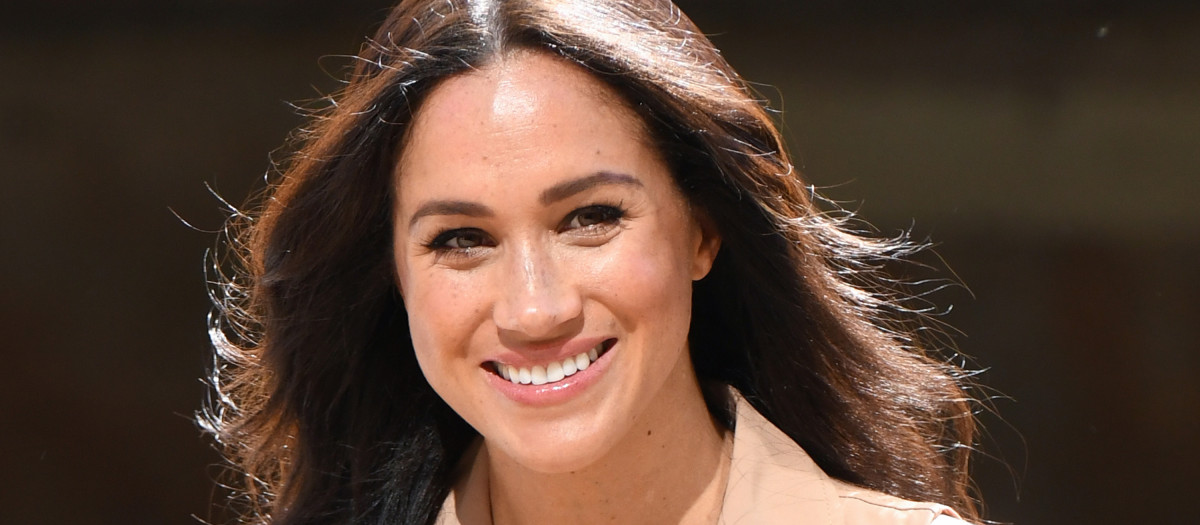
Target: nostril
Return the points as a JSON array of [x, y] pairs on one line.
[[539, 313]]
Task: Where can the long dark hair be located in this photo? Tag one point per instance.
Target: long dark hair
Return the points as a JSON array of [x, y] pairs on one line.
[[316, 394]]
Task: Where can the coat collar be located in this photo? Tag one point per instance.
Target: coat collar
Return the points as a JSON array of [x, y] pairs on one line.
[[772, 480]]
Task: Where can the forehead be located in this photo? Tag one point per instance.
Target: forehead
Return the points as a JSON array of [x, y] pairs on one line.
[[513, 97]]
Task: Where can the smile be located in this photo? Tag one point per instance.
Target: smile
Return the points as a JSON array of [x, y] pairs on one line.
[[554, 371]]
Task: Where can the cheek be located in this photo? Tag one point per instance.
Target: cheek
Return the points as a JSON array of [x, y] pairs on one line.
[[440, 311], [646, 280]]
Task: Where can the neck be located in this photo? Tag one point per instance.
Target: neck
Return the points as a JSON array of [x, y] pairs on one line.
[[665, 470]]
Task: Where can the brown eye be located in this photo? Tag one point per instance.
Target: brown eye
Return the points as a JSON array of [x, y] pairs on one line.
[[592, 216], [460, 239]]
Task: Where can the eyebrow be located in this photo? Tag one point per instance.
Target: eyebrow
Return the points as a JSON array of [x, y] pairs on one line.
[[550, 196], [568, 188], [470, 209]]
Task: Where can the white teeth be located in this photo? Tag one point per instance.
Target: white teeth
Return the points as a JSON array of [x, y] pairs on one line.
[[551, 373], [554, 372]]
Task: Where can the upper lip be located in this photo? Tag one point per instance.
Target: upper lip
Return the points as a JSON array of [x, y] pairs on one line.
[[534, 355]]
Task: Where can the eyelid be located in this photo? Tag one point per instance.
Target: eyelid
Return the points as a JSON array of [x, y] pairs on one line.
[[613, 213], [439, 240]]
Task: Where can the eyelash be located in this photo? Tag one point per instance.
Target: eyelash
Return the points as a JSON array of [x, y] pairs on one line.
[[609, 214]]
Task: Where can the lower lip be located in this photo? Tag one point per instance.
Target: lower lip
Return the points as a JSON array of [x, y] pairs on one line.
[[552, 393]]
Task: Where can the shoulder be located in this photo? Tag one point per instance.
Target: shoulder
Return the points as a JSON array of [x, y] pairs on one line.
[[867, 507]]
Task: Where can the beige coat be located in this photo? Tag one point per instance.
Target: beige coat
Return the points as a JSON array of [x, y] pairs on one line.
[[772, 481]]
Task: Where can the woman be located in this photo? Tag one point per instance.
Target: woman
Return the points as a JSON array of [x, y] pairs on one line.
[[547, 261]]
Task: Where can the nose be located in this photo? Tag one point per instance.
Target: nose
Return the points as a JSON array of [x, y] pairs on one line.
[[539, 299]]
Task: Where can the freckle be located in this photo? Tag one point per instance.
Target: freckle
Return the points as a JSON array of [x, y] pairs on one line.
[[648, 432]]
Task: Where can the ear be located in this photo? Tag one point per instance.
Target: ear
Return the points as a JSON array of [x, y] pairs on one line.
[[705, 245]]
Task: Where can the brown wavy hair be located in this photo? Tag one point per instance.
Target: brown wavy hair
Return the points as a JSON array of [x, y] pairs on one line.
[[316, 395]]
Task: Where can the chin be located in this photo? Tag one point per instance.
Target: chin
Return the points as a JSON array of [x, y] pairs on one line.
[[557, 449]]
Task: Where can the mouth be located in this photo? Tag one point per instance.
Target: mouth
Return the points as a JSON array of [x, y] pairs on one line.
[[553, 371]]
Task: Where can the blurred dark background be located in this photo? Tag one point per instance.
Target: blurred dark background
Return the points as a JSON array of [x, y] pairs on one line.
[[1050, 148]]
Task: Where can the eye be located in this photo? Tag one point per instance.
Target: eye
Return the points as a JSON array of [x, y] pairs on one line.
[[459, 239], [592, 216]]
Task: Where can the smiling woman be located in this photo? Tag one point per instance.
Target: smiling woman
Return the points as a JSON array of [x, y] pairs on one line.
[[549, 262], [576, 254]]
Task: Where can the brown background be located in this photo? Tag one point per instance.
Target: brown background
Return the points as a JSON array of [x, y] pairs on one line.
[[1050, 148]]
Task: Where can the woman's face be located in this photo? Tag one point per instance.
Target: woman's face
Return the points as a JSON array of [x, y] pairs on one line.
[[546, 261]]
